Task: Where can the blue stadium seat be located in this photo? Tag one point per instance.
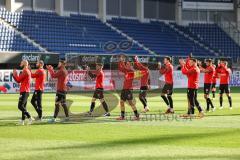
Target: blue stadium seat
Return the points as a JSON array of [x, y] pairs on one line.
[[159, 37], [77, 33], [87, 34], [217, 39]]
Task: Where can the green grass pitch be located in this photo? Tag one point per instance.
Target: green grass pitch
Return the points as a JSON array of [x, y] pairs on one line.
[[215, 137]]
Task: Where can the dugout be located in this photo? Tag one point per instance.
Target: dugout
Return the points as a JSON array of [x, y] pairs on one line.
[[11, 60]]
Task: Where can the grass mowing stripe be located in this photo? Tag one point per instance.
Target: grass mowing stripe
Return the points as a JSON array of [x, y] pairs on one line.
[[214, 137]]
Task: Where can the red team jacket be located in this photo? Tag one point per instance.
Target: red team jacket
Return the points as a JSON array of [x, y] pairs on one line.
[[24, 79], [128, 77], [99, 79], [193, 74], [168, 73], [40, 76], [224, 75], [62, 76], [208, 77], [144, 72], [215, 76]]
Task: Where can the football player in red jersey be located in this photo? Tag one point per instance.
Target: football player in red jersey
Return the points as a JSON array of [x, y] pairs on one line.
[[193, 73], [24, 78], [214, 81], [62, 76], [99, 88], [126, 93], [40, 76], [224, 74], [144, 83], [167, 91], [188, 66], [208, 71]]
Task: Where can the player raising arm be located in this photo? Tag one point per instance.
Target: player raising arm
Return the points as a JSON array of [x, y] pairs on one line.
[[61, 76], [167, 71], [193, 73], [208, 71], [144, 71], [40, 76], [24, 78], [126, 93], [98, 94], [224, 74], [214, 81]]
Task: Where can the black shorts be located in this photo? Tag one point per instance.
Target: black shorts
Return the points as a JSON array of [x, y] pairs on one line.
[[98, 93], [213, 85], [143, 91], [60, 97], [224, 88], [207, 88], [167, 89], [126, 94]]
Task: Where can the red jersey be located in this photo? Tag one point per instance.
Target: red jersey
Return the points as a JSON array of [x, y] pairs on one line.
[[224, 75], [168, 73], [128, 77], [214, 79], [215, 75], [144, 72], [193, 74], [99, 79], [208, 76], [24, 79], [40, 76], [62, 77]]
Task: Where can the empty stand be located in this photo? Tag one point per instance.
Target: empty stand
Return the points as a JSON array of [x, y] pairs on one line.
[[216, 38], [159, 37], [87, 34], [11, 41], [77, 33]]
